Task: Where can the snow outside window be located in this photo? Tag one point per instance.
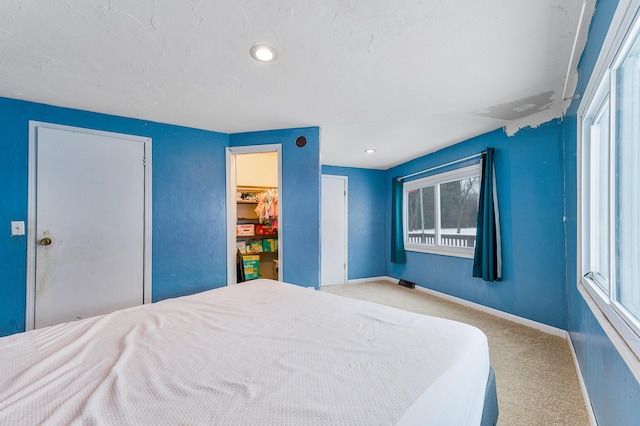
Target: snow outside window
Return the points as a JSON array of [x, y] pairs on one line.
[[440, 212]]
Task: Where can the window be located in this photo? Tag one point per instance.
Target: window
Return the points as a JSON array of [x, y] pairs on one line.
[[626, 83], [596, 149], [610, 187], [440, 212]]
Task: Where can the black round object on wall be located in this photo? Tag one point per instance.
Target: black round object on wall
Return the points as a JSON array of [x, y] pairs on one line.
[[301, 141]]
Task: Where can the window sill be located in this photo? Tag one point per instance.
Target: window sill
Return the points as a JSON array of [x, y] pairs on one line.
[[621, 335], [466, 253]]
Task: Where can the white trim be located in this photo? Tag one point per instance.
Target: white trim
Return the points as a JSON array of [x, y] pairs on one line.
[[607, 316], [148, 224], [504, 315], [583, 387], [230, 153], [30, 313], [147, 289], [346, 226], [464, 252], [381, 278], [582, 32], [232, 212], [621, 345]]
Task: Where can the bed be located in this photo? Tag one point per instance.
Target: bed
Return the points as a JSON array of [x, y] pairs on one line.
[[260, 352]]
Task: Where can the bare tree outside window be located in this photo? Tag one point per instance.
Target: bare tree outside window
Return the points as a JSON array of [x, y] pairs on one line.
[[422, 220], [459, 211], [456, 219]]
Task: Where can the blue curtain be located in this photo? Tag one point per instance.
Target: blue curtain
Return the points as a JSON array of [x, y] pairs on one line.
[[487, 259], [397, 238]]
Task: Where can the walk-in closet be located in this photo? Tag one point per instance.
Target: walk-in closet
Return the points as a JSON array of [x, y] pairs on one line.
[[257, 209]]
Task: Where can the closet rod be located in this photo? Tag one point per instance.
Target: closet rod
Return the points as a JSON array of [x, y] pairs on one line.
[[443, 165]]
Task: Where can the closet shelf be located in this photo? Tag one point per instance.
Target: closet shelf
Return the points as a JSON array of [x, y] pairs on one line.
[[257, 237], [259, 252]]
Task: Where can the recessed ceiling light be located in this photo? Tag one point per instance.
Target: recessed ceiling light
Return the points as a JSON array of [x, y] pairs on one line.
[[263, 53], [370, 151]]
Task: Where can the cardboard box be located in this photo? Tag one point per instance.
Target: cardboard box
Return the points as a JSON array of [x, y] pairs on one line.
[[245, 229], [270, 245], [265, 230], [251, 265], [255, 246]]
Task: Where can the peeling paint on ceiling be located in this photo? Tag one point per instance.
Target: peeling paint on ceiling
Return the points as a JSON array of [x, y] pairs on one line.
[[405, 77], [519, 108]]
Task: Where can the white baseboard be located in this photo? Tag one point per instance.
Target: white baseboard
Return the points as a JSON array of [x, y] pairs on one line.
[[505, 315], [381, 278], [514, 318], [583, 387]]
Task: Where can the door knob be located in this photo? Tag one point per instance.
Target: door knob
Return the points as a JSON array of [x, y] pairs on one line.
[[45, 241]]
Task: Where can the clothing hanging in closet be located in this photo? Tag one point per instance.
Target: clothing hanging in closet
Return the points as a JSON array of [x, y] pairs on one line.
[[267, 209]]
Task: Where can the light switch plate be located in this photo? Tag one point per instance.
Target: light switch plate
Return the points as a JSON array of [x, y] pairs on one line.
[[17, 227]]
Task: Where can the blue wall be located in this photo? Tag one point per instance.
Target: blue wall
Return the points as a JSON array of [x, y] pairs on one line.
[[529, 171], [188, 202], [189, 210], [300, 198], [367, 236], [612, 388], [536, 168], [537, 184]]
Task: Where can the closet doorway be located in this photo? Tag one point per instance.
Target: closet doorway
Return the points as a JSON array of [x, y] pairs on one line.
[[254, 213]]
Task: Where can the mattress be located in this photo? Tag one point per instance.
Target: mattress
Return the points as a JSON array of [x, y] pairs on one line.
[[260, 352]]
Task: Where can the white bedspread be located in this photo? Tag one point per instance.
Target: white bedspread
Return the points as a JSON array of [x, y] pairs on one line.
[[260, 352]]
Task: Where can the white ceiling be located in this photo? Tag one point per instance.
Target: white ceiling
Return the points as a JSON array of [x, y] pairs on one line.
[[406, 77]]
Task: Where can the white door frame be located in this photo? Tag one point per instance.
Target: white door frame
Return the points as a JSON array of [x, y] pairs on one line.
[[232, 207], [32, 210], [346, 224]]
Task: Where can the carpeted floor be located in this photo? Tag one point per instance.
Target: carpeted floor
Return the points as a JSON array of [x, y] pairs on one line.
[[536, 379]]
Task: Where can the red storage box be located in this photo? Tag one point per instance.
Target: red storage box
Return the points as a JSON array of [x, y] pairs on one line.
[[264, 230]]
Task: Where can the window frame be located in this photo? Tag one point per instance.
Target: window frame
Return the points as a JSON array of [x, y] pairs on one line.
[[601, 99], [436, 180], [622, 328]]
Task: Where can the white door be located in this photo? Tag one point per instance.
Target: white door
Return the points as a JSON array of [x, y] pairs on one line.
[[333, 224], [89, 224]]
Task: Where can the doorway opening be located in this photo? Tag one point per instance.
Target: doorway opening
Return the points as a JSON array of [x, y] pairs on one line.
[[254, 213]]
